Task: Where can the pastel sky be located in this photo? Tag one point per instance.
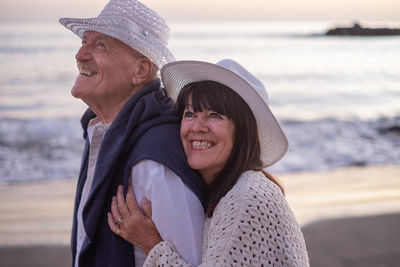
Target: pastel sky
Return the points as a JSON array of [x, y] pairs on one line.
[[173, 10]]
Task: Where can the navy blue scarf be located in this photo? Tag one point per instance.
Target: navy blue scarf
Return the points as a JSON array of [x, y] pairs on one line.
[[146, 128]]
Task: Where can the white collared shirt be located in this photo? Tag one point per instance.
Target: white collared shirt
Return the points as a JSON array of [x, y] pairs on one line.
[[96, 131], [176, 211]]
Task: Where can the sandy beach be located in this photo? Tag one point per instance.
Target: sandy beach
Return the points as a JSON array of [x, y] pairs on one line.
[[350, 217]]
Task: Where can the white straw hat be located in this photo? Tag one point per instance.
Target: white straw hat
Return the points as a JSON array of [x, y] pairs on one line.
[[176, 75], [132, 23]]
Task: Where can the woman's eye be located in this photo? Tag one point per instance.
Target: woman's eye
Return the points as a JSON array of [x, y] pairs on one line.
[[188, 114], [215, 115]]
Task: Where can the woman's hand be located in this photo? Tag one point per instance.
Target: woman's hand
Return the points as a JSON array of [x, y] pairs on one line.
[[130, 223]]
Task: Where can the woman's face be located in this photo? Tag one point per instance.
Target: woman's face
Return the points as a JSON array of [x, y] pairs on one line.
[[207, 139]]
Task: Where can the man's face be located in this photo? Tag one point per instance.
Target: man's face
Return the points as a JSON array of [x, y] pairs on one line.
[[106, 67]]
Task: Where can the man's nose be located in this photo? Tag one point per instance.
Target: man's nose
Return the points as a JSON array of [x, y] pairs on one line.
[[83, 53]]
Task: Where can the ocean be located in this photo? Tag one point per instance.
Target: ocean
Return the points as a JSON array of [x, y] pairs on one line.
[[337, 98]]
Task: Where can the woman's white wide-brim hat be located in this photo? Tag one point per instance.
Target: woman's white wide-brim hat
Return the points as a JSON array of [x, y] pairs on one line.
[[132, 23], [273, 141]]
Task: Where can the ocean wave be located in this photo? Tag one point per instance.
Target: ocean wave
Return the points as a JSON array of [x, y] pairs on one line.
[[46, 149], [332, 143], [39, 149]]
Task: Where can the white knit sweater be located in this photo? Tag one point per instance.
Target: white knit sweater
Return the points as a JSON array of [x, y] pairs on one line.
[[252, 225]]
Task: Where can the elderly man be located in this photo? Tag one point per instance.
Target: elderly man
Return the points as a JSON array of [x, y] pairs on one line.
[[133, 137]]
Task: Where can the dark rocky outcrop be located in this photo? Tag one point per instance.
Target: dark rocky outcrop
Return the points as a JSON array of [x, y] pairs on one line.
[[357, 30]]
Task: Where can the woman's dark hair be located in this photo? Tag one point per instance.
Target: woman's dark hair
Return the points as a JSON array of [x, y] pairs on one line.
[[246, 151]]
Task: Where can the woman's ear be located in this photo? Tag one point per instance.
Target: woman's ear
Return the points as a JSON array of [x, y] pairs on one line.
[[143, 71]]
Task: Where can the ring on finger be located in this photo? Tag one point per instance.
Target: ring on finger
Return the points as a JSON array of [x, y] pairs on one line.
[[119, 221]]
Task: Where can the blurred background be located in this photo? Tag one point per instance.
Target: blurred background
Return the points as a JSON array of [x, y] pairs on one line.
[[336, 97]]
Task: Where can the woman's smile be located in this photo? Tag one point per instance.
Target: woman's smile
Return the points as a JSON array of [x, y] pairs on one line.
[[201, 145], [207, 139]]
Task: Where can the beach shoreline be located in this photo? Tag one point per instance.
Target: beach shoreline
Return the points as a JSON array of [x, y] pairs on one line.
[[36, 213], [37, 217], [348, 192]]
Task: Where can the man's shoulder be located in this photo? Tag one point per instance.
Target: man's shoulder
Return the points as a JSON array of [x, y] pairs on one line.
[[160, 141], [169, 126], [161, 133]]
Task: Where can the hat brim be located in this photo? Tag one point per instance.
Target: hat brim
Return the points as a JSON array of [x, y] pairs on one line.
[[273, 141], [124, 30]]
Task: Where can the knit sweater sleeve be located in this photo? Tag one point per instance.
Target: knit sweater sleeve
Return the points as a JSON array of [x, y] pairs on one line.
[[252, 225], [164, 254]]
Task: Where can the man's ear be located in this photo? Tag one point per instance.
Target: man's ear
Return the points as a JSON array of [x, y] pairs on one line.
[[143, 71]]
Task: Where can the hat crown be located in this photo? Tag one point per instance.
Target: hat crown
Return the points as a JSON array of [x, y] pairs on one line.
[[132, 23], [148, 20], [252, 80]]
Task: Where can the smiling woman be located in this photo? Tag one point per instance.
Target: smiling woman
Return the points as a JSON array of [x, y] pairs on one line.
[[207, 132], [229, 135], [217, 119]]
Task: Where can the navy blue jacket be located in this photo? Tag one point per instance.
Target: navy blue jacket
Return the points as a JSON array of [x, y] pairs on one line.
[[145, 128]]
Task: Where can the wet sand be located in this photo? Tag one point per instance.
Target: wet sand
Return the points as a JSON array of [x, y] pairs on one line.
[[368, 241]]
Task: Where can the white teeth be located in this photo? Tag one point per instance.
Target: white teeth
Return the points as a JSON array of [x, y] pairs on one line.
[[86, 72], [201, 144]]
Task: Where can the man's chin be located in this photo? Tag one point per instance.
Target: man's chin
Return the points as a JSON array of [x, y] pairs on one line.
[[75, 92], [82, 86], [79, 88]]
